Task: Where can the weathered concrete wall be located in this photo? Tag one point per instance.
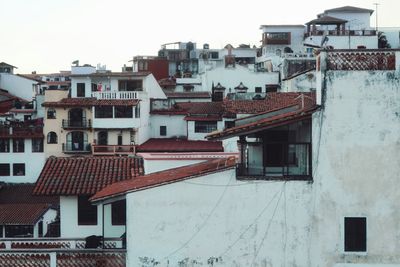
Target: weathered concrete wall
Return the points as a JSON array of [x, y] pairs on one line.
[[356, 151], [216, 217]]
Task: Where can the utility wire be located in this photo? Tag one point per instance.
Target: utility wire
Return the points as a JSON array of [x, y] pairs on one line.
[[254, 221], [267, 230], [204, 222]]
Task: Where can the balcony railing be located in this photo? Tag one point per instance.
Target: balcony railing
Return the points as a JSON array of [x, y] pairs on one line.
[[284, 161], [341, 33], [80, 147], [113, 150], [21, 131], [74, 124], [63, 258], [116, 95]]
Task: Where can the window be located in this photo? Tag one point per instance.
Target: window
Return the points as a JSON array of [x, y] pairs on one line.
[[205, 126], [18, 145], [130, 85], [51, 113], [163, 130], [258, 89], [355, 234], [277, 38], [123, 112], [37, 145], [80, 89], [229, 124], [87, 213], [214, 55], [137, 111], [19, 230], [4, 169], [4, 145], [118, 212], [52, 138], [103, 112], [19, 169], [119, 140]]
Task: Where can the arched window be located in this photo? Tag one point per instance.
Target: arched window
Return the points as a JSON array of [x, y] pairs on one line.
[[51, 113], [52, 138]]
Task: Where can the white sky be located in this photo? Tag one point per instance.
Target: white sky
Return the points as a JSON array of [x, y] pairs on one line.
[[47, 35]]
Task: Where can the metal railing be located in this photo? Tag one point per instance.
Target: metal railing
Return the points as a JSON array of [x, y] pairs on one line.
[[116, 95], [76, 124], [79, 147], [113, 149], [341, 33], [287, 161]]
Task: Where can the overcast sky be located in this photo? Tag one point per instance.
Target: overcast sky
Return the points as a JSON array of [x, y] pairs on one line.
[[47, 35]]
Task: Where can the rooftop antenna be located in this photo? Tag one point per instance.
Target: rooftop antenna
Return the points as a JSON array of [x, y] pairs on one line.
[[376, 16]]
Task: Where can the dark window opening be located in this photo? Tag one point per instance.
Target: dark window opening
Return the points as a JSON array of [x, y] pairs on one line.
[[40, 229], [102, 138], [163, 130], [229, 124], [19, 169], [37, 145], [137, 111], [87, 213], [52, 138], [80, 89], [355, 234], [4, 169], [258, 89], [119, 140], [218, 96], [103, 112], [123, 112], [1, 231], [19, 230], [51, 113], [4, 145], [118, 212], [18, 145], [205, 126], [130, 85]]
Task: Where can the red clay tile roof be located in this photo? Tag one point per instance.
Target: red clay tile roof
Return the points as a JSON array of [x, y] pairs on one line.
[[85, 175], [26, 214], [265, 123], [91, 101], [114, 74], [188, 94], [165, 177], [23, 194], [230, 108], [203, 118], [179, 145], [273, 101]]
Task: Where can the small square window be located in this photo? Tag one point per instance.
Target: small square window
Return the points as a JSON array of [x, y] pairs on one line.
[[4, 169], [19, 169], [258, 90], [355, 234], [163, 130]]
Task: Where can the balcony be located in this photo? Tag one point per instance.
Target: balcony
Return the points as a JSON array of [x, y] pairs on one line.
[[98, 150], [277, 161], [116, 95], [21, 131], [55, 252], [74, 124], [341, 33], [76, 148]]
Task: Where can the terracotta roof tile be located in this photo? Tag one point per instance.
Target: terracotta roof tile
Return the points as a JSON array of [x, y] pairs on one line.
[[91, 101], [27, 214], [165, 177], [23, 194], [188, 94], [179, 145], [85, 175]]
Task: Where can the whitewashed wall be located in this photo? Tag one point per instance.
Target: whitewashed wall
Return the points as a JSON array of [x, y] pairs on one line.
[[192, 135], [356, 21], [34, 162], [215, 216], [356, 167], [345, 42], [176, 125], [17, 85], [69, 220]]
